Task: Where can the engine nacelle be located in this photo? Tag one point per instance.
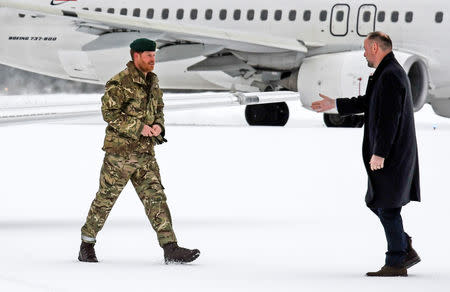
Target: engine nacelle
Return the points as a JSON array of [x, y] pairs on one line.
[[419, 77], [440, 101], [346, 75], [441, 106]]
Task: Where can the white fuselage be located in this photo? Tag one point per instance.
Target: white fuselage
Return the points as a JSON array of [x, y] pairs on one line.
[[332, 26]]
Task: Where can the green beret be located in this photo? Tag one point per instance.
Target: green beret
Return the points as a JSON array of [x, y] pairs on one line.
[[141, 45]]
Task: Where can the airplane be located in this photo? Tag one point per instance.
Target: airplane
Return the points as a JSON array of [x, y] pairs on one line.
[[283, 46]]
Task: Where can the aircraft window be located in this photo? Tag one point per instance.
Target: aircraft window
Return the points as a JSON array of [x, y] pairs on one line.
[[366, 16], [223, 14], [237, 14], [137, 12], [110, 10], [264, 14], [85, 8], [323, 15], [123, 11], [340, 16], [208, 14], [180, 13], [150, 13], [439, 17], [98, 9], [194, 13], [394, 16], [409, 16], [251, 14], [381, 16], [292, 15], [278, 14], [165, 13], [307, 15]]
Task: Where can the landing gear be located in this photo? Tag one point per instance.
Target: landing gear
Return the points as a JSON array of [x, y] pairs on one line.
[[336, 121], [270, 114]]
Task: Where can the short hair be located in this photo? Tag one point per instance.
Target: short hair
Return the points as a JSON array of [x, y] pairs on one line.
[[132, 54], [382, 39]]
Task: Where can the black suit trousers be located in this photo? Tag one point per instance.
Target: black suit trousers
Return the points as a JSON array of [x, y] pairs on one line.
[[395, 235]]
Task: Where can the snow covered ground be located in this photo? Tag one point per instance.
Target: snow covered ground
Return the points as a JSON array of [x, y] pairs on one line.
[[271, 209]]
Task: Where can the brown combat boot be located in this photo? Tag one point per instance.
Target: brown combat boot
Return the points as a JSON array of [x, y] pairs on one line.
[[87, 253], [388, 271], [412, 257], [175, 254]]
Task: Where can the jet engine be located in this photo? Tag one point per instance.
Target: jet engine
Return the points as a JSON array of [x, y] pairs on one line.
[[346, 74]]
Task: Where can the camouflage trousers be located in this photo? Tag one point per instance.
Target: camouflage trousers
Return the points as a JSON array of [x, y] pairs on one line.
[[143, 171]]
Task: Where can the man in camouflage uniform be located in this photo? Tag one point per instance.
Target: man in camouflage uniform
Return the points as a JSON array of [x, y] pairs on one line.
[[133, 108]]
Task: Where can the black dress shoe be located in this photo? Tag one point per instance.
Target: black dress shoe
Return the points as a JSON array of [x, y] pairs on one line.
[[412, 257], [388, 271]]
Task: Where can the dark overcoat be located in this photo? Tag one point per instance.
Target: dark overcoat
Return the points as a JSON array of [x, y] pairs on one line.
[[389, 132]]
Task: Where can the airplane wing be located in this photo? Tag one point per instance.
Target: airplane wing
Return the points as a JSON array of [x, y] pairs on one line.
[[28, 109], [109, 25]]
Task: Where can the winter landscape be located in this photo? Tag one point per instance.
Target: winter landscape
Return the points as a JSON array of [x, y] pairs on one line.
[[271, 209]]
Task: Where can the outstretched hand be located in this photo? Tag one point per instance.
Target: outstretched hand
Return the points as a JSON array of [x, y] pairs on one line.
[[323, 105]]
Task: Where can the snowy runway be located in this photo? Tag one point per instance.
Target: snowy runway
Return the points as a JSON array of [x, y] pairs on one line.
[[271, 209]]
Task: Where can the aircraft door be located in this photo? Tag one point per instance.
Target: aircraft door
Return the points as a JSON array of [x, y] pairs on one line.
[[366, 19], [339, 19]]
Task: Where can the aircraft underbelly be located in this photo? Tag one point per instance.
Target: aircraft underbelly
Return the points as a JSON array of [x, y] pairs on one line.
[[77, 65]]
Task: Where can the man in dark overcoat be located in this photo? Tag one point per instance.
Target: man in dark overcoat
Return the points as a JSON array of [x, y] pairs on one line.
[[389, 148]]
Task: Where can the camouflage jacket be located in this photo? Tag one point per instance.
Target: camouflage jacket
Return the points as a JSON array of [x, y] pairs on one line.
[[130, 102]]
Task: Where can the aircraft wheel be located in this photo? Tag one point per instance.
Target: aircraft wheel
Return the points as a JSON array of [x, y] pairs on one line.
[[338, 121], [270, 114]]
